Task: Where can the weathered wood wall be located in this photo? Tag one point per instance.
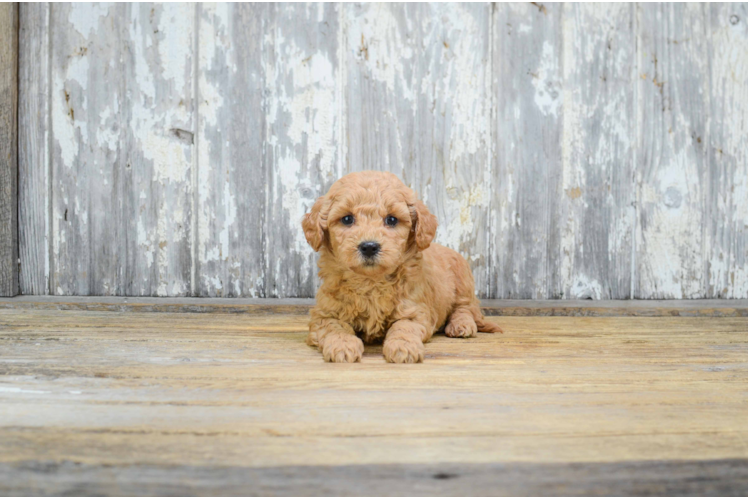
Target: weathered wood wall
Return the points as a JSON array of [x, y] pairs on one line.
[[8, 149], [569, 150]]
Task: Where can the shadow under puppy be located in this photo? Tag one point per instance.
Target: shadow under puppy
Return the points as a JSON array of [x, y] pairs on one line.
[[381, 275]]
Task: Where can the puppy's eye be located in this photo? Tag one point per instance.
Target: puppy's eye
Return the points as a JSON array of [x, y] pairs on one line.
[[391, 220], [347, 220]]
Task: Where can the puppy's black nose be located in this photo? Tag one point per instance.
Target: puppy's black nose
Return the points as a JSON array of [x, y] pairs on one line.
[[369, 248]]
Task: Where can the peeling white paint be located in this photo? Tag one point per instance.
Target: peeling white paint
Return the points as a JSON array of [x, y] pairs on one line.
[[215, 22], [460, 205], [376, 40], [229, 220], [584, 287], [85, 17], [64, 103], [546, 81], [176, 21]]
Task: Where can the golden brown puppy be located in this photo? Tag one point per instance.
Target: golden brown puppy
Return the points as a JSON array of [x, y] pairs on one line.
[[382, 276]]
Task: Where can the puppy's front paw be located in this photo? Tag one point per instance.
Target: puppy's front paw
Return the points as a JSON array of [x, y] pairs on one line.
[[403, 350], [342, 349]]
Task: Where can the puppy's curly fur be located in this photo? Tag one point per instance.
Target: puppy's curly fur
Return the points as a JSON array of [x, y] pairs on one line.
[[409, 289]]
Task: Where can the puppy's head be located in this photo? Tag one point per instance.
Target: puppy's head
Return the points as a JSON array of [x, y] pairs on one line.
[[371, 223]]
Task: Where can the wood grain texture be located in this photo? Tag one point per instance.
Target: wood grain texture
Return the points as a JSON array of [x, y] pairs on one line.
[[230, 391], [87, 150], [528, 94], [727, 196], [418, 104], [8, 149], [231, 175], [673, 165], [593, 218], [639, 478], [122, 121], [33, 148], [158, 125]]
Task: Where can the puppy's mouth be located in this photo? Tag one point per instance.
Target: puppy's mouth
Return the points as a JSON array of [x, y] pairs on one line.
[[369, 261]]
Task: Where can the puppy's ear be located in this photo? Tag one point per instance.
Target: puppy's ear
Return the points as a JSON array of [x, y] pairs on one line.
[[313, 225], [424, 224]]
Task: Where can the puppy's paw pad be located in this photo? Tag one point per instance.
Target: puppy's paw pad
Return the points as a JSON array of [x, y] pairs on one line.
[[403, 351], [343, 349], [461, 329]]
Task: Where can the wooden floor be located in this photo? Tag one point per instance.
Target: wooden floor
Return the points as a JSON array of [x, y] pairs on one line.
[[132, 403]]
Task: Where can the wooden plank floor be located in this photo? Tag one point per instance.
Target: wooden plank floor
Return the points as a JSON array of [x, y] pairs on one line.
[[135, 403]]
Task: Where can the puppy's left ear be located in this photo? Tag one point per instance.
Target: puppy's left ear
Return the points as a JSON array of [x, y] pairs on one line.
[[313, 225], [424, 224]]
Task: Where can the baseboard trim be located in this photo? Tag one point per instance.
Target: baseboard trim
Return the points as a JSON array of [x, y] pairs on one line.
[[644, 308]]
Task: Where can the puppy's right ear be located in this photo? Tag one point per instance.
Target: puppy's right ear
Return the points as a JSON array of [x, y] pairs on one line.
[[312, 224]]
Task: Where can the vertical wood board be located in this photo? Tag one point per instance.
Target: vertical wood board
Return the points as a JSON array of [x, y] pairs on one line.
[[593, 215], [528, 95], [8, 149], [727, 197], [158, 120], [673, 166], [87, 134], [230, 177], [33, 150]]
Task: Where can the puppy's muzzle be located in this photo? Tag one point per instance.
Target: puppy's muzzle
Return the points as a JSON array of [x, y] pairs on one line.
[[369, 249]]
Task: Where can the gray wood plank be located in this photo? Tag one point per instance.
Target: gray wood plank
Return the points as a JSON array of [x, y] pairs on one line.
[[33, 148], [528, 93], [594, 216], [231, 176], [418, 104], [87, 101], [727, 189], [303, 100], [157, 134], [379, 101], [634, 478], [122, 124], [8, 149], [672, 157]]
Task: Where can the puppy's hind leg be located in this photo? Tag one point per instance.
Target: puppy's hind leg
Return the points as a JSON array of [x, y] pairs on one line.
[[461, 323], [483, 325], [467, 318], [466, 321]]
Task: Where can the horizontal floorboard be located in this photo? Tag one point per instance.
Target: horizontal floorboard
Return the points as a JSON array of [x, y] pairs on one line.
[[102, 402], [645, 478]]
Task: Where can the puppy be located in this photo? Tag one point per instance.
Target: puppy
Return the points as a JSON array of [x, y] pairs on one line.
[[382, 278]]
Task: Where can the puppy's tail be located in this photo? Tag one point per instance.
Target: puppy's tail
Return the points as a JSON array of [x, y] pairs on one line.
[[483, 325]]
